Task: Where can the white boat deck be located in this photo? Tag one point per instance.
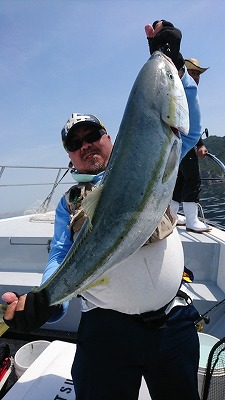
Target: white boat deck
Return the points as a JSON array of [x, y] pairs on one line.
[[28, 226]]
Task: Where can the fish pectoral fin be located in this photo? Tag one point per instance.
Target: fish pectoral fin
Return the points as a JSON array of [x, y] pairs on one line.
[[90, 202]]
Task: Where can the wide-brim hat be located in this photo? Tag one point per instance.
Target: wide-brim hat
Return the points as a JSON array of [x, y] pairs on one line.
[[193, 63]]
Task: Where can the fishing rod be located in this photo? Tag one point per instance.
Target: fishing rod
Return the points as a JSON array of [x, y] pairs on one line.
[[205, 317], [212, 156], [205, 132], [216, 160]]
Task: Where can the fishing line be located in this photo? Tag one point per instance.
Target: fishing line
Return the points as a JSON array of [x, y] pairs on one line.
[[46, 201]]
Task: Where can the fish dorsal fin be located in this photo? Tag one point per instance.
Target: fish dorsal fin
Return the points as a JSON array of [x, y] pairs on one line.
[[90, 202]]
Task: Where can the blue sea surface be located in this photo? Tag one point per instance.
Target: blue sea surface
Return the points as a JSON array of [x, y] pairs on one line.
[[212, 200]]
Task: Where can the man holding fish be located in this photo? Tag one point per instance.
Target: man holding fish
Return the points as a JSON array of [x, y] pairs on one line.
[[122, 254]]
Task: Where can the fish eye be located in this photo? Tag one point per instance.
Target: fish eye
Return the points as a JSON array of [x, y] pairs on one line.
[[170, 75]]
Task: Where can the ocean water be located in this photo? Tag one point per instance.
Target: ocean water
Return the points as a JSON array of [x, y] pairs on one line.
[[212, 200]]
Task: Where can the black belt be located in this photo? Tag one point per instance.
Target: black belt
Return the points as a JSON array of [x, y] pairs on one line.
[[155, 318], [158, 318]]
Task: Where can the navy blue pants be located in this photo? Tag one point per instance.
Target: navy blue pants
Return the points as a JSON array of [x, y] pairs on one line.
[[188, 183], [115, 350]]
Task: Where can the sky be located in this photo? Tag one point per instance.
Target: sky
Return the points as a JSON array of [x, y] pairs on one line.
[[64, 56]]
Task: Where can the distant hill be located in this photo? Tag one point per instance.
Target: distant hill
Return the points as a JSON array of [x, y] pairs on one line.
[[215, 146]]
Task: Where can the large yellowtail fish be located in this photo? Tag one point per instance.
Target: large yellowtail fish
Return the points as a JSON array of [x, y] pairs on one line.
[[138, 183]]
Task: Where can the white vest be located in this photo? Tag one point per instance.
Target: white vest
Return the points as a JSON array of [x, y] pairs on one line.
[[146, 281]]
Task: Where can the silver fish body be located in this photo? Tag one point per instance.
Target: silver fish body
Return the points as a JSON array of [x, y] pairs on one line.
[[137, 185]]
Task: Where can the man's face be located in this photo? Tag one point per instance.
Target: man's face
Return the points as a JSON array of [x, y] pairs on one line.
[[91, 158], [195, 75]]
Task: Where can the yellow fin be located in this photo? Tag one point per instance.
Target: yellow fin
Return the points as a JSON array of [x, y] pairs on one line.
[[3, 328], [99, 282], [90, 202]]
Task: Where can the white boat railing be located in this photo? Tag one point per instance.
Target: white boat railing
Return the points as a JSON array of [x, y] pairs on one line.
[[36, 190], [50, 177]]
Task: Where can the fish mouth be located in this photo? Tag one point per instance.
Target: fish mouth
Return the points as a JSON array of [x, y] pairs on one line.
[[175, 131]]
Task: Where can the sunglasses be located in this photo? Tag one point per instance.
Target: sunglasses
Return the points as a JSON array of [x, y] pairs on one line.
[[73, 144]]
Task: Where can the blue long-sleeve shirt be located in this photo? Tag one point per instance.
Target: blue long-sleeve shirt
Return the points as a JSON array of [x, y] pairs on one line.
[[191, 91]]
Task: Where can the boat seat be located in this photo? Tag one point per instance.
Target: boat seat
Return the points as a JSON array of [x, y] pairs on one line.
[[208, 299], [204, 294]]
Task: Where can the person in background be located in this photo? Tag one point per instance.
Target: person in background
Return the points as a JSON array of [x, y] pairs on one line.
[[135, 323], [188, 182]]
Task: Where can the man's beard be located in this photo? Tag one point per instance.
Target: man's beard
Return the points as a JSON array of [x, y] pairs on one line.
[[96, 166]]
